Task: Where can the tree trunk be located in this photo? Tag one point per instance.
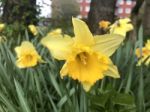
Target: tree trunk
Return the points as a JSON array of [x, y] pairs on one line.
[[146, 18], [136, 16], [22, 11], [100, 10]]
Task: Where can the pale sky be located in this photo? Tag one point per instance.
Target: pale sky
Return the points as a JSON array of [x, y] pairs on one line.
[[45, 6]]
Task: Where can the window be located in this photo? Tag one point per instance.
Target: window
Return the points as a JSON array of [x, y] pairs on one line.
[[87, 8], [88, 1], [129, 2], [120, 10], [128, 10]]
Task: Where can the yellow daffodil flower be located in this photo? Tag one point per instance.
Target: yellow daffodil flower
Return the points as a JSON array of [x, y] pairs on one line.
[[143, 54], [121, 27], [87, 56], [104, 24], [27, 55], [145, 60], [33, 29], [2, 26], [55, 32]]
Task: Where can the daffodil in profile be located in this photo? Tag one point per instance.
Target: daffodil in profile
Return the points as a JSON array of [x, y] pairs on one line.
[[121, 27], [27, 55], [87, 56], [33, 29]]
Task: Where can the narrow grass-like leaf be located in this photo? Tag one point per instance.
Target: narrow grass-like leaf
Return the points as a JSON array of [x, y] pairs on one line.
[[55, 84], [23, 101], [7, 103], [64, 99]]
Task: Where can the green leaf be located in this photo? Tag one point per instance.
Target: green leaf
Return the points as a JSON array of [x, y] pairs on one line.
[[7, 103], [100, 100], [55, 83], [22, 99], [123, 99], [64, 98]]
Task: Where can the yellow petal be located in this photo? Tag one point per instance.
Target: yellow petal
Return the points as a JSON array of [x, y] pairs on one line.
[[147, 45], [18, 51], [64, 71], [138, 52], [55, 32], [33, 29], [107, 44], [143, 60], [82, 33], [25, 47], [147, 61], [112, 72], [59, 47], [86, 86]]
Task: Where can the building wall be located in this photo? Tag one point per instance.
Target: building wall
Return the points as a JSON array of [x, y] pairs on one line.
[[123, 8], [84, 8]]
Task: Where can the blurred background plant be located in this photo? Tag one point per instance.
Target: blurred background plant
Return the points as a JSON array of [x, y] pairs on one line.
[[40, 89]]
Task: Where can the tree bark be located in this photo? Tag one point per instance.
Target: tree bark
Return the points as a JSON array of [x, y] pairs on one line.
[[22, 11], [146, 18], [136, 16], [100, 10]]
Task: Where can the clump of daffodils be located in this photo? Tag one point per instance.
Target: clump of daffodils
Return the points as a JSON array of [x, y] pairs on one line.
[[87, 57], [143, 54], [27, 55], [33, 29]]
